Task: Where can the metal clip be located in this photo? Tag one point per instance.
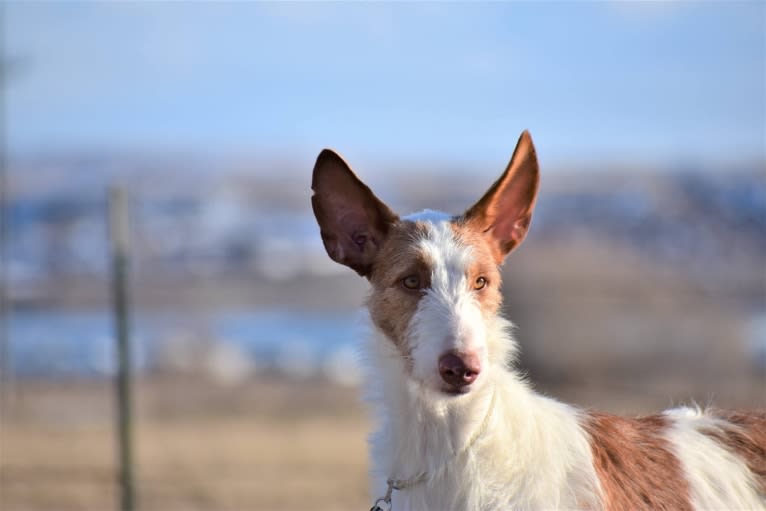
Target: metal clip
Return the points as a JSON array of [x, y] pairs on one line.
[[384, 503], [377, 506]]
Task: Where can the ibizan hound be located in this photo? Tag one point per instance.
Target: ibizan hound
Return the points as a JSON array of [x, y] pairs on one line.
[[458, 428]]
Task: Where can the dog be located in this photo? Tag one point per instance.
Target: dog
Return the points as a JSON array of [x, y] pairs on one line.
[[458, 427]]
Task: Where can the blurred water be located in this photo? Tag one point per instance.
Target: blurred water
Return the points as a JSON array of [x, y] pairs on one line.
[[54, 343]]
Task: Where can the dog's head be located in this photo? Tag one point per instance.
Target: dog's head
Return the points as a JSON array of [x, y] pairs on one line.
[[435, 278]]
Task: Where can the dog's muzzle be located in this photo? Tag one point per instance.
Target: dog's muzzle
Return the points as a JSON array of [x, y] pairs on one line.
[[459, 370]]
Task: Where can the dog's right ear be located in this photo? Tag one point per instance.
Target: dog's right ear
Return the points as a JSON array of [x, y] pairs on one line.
[[352, 221], [505, 211]]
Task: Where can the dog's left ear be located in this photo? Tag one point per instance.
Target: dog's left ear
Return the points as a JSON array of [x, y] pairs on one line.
[[505, 211]]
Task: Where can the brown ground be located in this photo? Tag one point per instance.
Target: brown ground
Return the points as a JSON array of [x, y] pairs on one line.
[[265, 445], [617, 335]]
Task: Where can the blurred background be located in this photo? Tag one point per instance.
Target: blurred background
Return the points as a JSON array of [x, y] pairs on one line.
[[641, 285]]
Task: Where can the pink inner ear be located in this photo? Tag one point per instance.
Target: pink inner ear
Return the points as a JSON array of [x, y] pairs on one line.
[[352, 229], [509, 232], [512, 210], [352, 221], [505, 211], [357, 226], [520, 228], [359, 238]]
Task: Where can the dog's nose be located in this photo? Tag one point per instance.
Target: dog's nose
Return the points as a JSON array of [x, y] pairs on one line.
[[458, 369]]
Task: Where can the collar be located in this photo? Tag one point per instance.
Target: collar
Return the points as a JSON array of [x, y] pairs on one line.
[[384, 503]]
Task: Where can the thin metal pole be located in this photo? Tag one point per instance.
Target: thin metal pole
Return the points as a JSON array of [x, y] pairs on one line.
[[119, 241], [7, 380]]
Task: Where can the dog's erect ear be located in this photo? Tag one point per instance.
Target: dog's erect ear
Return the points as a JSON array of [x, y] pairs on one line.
[[352, 221], [505, 211]]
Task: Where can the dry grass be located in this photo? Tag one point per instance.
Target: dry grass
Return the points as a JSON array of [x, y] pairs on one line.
[[613, 335], [266, 445], [304, 447]]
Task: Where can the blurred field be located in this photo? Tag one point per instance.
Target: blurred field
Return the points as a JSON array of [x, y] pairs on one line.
[[601, 328], [627, 314], [263, 445], [640, 286]]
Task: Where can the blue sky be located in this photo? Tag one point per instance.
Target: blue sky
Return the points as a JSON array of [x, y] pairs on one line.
[[639, 83]]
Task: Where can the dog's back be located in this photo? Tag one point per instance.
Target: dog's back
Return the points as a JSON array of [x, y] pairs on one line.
[[458, 429], [685, 458]]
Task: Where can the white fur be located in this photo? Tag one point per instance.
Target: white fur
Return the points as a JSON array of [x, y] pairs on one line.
[[533, 454], [718, 479], [428, 215], [448, 316]]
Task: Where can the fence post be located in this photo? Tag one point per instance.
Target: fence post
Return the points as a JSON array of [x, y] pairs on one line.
[[119, 243], [7, 376]]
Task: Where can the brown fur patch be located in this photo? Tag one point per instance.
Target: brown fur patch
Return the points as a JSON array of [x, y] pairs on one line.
[[635, 465], [505, 211], [744, 434], [353, 222], [391, 305], [490, 298]]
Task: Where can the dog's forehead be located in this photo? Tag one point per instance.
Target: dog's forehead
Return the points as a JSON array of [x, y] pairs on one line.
[[434, 240], [442, 239], [440, 242]]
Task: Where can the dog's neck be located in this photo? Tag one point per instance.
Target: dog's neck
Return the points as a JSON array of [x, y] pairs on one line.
[[425, 431], [419, 433]]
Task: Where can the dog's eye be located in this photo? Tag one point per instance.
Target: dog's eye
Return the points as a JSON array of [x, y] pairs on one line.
[[411, 282], [480, 283]]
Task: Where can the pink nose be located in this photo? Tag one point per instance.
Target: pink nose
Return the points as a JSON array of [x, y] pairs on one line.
[[459, 369]]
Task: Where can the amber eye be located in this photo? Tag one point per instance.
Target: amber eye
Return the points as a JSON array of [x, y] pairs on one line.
[[411, 282], [480, 283]]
